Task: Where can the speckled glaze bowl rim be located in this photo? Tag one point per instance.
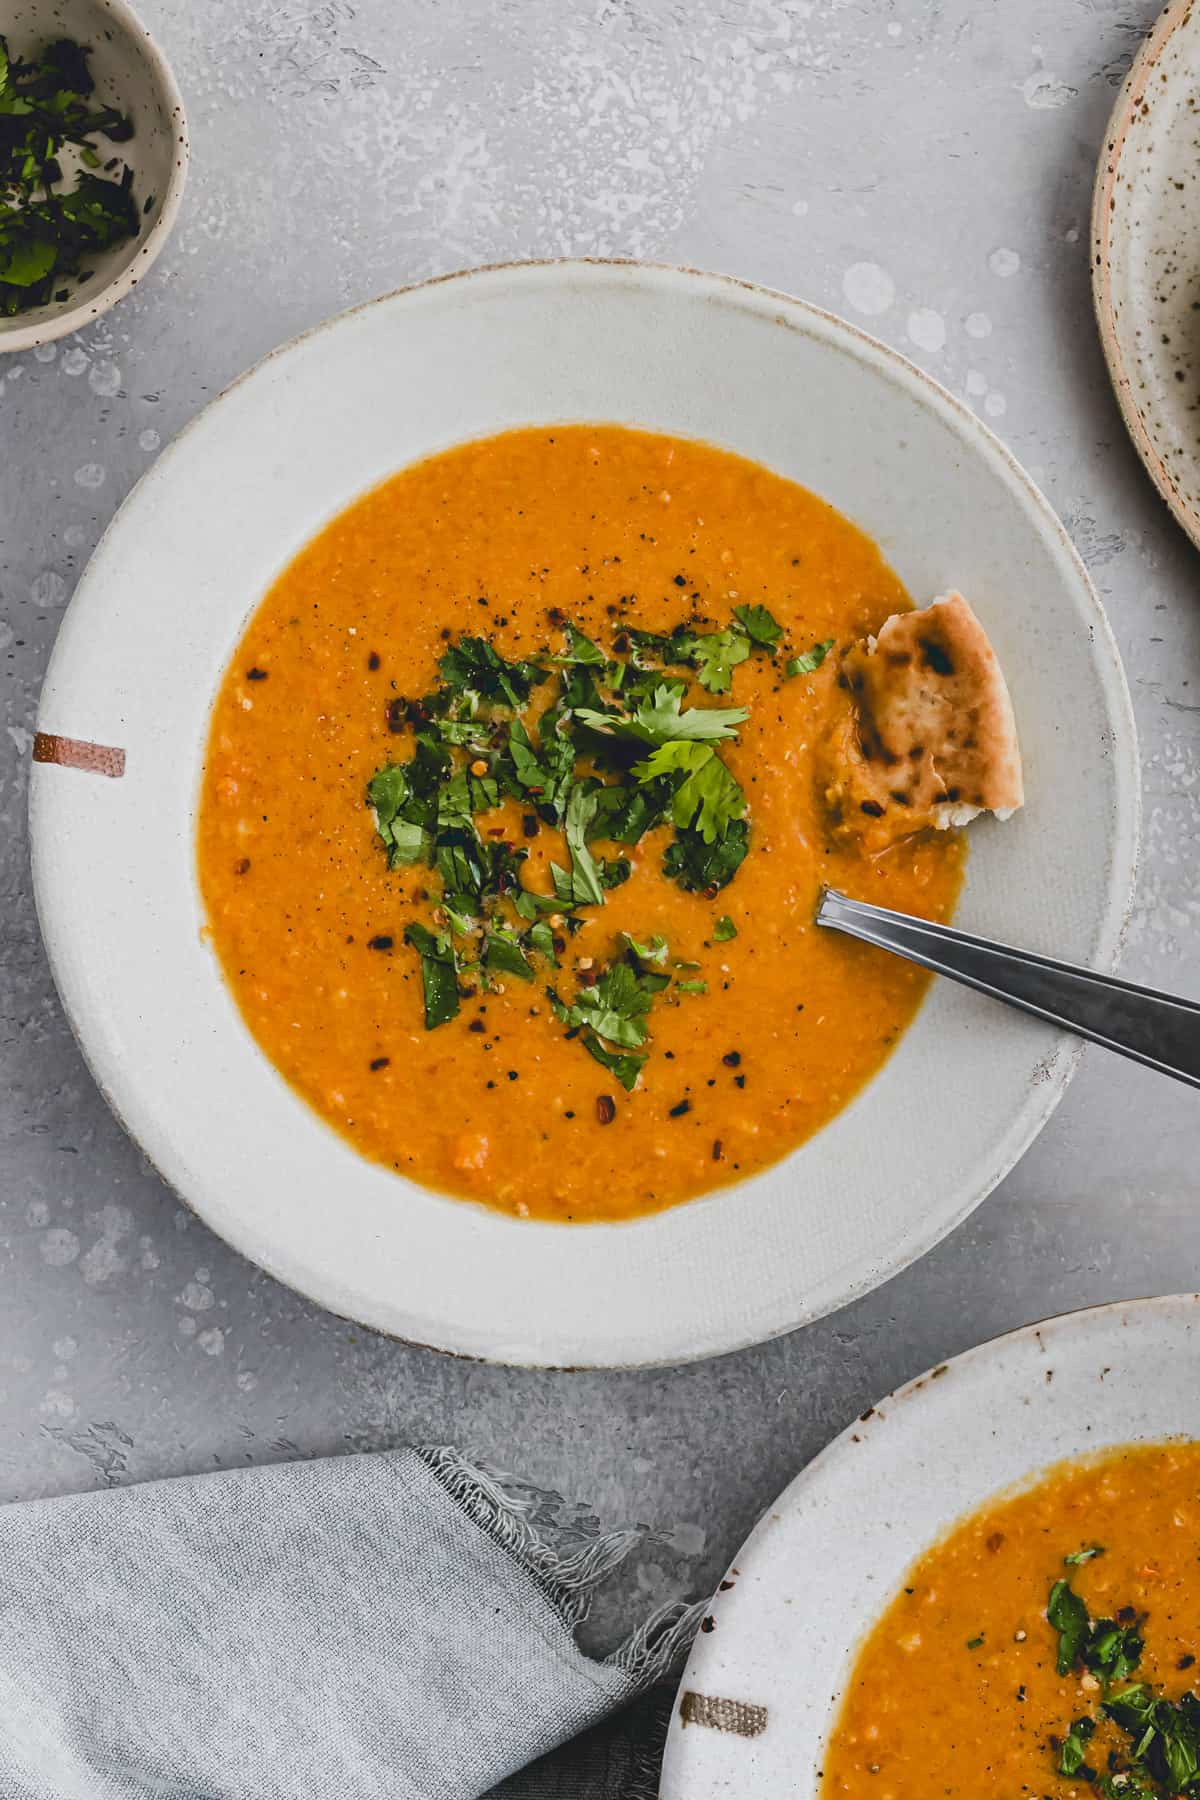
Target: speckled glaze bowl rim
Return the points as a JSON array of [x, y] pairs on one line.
[[52, 326], [1016, 1368], [1130, 98], [667, 1343]]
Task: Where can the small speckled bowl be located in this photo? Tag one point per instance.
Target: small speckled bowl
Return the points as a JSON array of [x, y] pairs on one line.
[[131, 74], [1146, 257]]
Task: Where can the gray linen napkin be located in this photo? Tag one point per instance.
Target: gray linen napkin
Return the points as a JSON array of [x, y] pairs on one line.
[[385, 1627]]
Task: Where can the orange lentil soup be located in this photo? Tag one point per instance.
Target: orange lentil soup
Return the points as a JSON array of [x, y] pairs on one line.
[[503, 538], [957, 1692]]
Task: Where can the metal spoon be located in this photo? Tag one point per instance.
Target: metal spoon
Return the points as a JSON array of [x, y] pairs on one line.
[[1159, 1030]]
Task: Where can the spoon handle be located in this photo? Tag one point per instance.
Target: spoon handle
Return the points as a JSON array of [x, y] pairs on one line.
[[1160, 1030]]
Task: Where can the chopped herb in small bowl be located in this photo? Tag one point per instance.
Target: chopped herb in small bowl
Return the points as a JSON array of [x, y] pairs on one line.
[[92, 156]]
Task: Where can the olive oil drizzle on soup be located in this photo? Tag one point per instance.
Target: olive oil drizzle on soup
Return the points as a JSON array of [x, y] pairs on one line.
[[967, 1688], [766, 1027]]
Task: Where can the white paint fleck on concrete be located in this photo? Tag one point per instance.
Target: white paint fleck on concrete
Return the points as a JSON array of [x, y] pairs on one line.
[[187, 1326], [799, 208], [927, 329], [104, 378], [75, 361], [58, 1405], [1045, 92], [37, 1215], [197, 1297], [868, 288], [45, 353], [1004, 262], [90, 475], [149, 439], [977, 382], [48, 590], [977, 325], [995, 405], [247, 1381], [59, 1247], [66, 1348], [212, 1341], [107, 1257]]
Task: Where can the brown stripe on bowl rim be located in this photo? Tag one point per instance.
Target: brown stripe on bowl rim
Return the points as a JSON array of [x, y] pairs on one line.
[[78, 753]]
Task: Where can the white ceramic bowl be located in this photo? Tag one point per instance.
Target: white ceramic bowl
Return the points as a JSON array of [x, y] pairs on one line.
[[142, 650], [1145, 249], [829, 1554], [132, 75]]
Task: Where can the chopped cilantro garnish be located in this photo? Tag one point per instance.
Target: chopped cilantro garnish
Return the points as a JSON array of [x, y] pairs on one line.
[[724, 929], [975, 1642], [808, 660], [1073, 1752], [708, 798], [504, 955], [473, 664], [49, 232], [699, 866], [717, 656], [1069, 1617], [616, 753], [1083, 1556], [760, 626], [439, 973]]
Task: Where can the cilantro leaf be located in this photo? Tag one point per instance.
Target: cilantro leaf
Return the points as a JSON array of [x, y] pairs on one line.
[[724, 929], [625, 1065], [708, 798], [1069, 1617], [760, 626], [1073, 1752], [653, 952], [808, 660], [503, 954], [439, 973], [716, 656], [586, 888], [473, 663], [580, 649], [699, 867], [660, 718], [1082, 1556]]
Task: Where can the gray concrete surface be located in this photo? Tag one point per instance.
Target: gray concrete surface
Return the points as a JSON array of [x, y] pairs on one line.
[[923, 166]]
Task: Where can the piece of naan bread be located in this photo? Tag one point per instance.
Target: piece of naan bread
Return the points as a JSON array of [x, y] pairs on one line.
[[929, 738]]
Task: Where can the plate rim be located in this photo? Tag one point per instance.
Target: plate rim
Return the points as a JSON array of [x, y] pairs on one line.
[[1061, 1060], [906, 1398], [1146, 59]]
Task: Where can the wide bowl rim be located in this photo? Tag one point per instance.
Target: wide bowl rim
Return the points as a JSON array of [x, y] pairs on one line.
[[1115, 911], [1124, 112], [896, 1411], [50, 327]]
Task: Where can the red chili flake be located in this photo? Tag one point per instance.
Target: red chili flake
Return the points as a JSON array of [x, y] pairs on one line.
[[681, 581], [396, 711], [684, 1106], [994, 1541], [712, 890], [382, 942], [477, 1025], [739, 1081], [242, 867], [556, 615], [606, 1108], [530, 825], [256, 674], [380, 1062], [373, 660], [732, 1058], [708, 1624], [718, 1150]]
